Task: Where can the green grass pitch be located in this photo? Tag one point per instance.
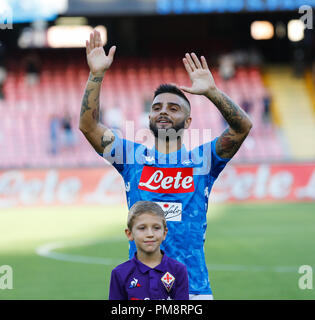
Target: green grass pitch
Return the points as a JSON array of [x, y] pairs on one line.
[[253, 251]]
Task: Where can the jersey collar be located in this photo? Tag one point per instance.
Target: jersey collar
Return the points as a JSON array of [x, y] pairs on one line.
[[176, 157], [144, 268]]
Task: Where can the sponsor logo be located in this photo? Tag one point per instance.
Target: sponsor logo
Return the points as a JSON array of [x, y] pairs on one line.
[[167, 180], [128, 186], [168, 281], [172, 210], [134, 283]]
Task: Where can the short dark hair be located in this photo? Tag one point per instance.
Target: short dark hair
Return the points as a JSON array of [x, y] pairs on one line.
[[170, 88], [142, 207]]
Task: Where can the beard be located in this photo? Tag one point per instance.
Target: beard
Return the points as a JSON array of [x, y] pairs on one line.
[[169, 134]]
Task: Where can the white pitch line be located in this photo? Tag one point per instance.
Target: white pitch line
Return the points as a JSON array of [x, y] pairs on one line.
[[47, 251]]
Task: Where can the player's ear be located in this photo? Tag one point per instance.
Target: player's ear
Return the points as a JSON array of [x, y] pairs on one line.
[[129, 234], [187, 122]]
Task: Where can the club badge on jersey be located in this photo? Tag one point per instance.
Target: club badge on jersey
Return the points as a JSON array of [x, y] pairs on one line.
[[168, 281]]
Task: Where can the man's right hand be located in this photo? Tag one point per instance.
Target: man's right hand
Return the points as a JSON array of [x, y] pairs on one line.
[[95, 54], [100, 137]]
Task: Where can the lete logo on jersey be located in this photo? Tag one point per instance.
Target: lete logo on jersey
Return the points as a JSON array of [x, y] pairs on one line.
[[167, 180]]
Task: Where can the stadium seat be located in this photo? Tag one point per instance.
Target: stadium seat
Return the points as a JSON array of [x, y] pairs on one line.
[[61, 86]]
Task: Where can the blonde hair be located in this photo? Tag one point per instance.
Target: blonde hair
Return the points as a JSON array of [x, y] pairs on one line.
[[142, 207]]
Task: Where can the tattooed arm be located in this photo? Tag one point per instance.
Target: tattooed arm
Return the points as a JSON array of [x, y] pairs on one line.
[[203, 84], [98, 135], [239, 124]]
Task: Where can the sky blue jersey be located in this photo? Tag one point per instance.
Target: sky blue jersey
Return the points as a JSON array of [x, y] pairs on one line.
[[180, 182]]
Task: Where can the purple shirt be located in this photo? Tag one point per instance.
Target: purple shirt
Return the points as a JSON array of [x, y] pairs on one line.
[[133, 280]]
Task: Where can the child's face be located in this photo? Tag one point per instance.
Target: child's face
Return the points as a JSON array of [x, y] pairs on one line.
[[147, 232]]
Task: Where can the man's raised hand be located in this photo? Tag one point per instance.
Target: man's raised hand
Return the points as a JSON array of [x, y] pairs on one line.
[[97, 60], [199, 74]]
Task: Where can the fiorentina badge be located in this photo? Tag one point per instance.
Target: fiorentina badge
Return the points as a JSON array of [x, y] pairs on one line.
[[168, 281]]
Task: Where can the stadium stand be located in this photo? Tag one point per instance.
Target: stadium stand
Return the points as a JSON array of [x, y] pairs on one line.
[[295, 111], [25, 124]]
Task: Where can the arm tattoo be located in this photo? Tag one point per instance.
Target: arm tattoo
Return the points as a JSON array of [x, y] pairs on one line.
[[85, 102], [232, 138], [95, 79], [228, 144], [96, 115], [231, 112]]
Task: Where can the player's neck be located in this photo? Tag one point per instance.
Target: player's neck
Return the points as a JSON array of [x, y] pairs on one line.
[[150, 259], [168, 146]]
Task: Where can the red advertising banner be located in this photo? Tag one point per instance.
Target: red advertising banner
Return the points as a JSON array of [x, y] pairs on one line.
[[265, 182], [61, 187]]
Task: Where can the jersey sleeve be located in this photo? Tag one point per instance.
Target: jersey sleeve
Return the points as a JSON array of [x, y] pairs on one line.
[[182, 288], [217, 163], [116, 288], [120, 154]]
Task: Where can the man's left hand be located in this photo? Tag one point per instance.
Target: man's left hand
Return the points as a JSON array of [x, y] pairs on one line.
[[200, 76]]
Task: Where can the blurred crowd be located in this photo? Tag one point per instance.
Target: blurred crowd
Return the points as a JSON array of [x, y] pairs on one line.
[[62, 136], [229, 62]]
